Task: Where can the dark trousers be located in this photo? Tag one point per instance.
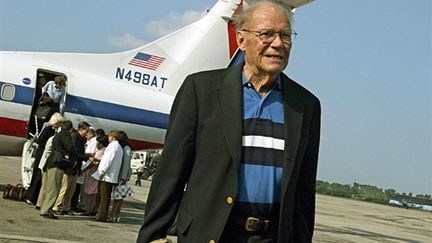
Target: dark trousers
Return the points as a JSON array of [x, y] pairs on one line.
[[76, 197], [104, 198], [138, 181], [32, 192]]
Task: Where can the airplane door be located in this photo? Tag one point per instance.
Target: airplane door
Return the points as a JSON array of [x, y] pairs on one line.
[[44, 105]]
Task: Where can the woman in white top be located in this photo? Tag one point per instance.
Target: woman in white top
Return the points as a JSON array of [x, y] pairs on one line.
[[108, 173], [122, 190]]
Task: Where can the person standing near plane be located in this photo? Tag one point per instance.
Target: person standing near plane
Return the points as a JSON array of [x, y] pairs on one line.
[[42, 162], [108, 174], [91, 184], [124, 176], [48, 131], [140, 172], [62, 149], [80, 198], [243, 143], [53, 95], [64, 200]]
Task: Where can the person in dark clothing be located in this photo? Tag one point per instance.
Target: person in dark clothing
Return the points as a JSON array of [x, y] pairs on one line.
[[241, 149], [70, 175], [36, 181], [61, 146], [140, 171]]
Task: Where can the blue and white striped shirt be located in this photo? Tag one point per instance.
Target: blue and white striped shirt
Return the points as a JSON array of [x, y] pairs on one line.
[[262, 152]]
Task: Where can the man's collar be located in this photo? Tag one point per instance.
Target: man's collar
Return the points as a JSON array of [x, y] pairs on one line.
[[247, 83]]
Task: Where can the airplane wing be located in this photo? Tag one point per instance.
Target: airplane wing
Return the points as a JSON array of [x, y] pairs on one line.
[[292, 4], [295, 3]]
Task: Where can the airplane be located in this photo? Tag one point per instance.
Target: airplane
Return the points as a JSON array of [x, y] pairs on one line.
[[132, 91]]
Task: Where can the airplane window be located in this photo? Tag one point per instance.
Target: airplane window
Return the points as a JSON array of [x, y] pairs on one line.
[[7, 92]]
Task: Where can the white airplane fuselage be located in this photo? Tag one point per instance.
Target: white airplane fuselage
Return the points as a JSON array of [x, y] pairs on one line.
[[139, 108], [132, 91]]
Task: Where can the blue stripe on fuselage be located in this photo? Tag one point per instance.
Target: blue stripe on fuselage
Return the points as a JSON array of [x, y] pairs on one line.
[[23, 95], [100, 109]]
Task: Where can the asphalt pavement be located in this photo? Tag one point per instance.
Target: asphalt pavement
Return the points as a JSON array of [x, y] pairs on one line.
[[338, 220], [20, 222]]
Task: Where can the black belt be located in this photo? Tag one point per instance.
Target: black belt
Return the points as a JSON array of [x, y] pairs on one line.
[[253, 224]]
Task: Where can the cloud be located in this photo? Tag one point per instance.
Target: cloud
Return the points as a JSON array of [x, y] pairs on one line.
[[172, 22], [157, 28], [126, 41]]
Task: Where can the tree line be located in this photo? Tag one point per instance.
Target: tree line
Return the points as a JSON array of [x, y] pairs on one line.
[[362, 192]]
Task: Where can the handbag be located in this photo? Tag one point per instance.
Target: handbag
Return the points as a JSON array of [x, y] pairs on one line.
[[16, 193], [44, 99], [62, 161], [42, 111], [123, 191]]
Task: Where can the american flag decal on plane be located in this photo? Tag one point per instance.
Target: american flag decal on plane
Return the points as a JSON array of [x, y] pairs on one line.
[[148, 61]]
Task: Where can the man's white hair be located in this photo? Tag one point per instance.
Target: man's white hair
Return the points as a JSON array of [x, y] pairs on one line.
[[248, 8]]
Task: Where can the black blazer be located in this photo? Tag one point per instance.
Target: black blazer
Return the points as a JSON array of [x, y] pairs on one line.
[[78, 144], [203, 150], [61, 142]]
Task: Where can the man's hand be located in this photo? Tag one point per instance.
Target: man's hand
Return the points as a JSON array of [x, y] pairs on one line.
[[45, 98]]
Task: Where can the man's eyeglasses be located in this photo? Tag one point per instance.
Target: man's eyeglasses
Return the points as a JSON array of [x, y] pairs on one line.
[[268, 36]]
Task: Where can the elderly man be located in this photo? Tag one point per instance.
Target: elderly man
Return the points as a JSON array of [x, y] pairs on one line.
[[241, 150]]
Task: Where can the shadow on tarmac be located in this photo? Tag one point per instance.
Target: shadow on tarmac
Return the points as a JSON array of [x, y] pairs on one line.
[[131, 212], [20, 222]]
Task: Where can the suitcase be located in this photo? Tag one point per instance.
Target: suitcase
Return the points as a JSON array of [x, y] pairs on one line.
[[16, 193]]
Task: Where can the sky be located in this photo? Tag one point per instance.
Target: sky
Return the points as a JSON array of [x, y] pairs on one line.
[[369, 62]]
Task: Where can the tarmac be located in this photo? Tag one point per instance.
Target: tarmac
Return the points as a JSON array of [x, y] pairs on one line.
[[20, 222], [338, 220]]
